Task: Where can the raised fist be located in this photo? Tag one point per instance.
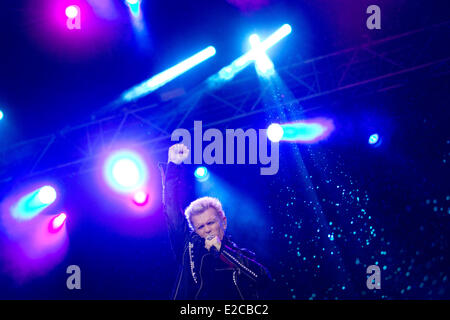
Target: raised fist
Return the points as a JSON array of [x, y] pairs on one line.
[[178, 153]]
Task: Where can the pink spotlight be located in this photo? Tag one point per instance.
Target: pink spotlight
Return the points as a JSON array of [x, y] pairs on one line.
[[57, 222], [140, 198], [71, 12]]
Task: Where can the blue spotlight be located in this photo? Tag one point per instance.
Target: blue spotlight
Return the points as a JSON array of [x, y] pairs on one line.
[[228, 72], [135, 7], [162, 78], [72, 11], [201, 173], [33, 203], [1, 115], [275, 37], [375, 140], [307, 131], [264, 66], [125, 171], [57, 222]]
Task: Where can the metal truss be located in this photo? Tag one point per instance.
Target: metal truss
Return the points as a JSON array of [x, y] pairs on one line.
[[369, 68]]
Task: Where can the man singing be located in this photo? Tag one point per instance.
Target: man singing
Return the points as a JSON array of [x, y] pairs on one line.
[[211, 266]]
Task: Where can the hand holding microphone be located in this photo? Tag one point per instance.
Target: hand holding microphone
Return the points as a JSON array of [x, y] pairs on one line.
[[213, 243]]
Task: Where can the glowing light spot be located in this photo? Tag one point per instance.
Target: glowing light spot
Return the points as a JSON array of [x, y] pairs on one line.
[[308, 131], [275, 132], [125, 171], [257, 54], [71, 12], [264, 66], [57, 222], [141, 198], [164, 77], [201, 174], [47, 195], [374, 138]]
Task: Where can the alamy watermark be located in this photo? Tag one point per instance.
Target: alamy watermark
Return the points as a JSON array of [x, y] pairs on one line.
[[221, 150], [74, 280], [374, 280], [374, 20]]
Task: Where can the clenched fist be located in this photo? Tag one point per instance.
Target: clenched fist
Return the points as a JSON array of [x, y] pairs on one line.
[[213, 241], [178, 153]]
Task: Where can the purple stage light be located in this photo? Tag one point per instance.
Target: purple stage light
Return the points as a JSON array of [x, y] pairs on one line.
[[57, 222], [141, 198], [72, 11]]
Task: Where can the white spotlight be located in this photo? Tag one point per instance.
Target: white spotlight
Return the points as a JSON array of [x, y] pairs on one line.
[[47, 195], [275, 132]]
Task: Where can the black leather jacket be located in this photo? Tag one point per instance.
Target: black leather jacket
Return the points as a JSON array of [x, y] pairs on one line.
[[231, 273]]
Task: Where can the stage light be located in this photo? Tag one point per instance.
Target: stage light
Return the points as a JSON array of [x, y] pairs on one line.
[[135, 7], [201, 174], [275, 37], [374, 138], [275, 132], [307, 131], [71, 12], [125, 171], [264, 66], [34, 202], [47, 195], [57, 222], [164, 77], [1, 115], [140, 198]]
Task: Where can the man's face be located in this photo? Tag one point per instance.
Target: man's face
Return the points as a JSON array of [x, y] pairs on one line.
[[208, 224]]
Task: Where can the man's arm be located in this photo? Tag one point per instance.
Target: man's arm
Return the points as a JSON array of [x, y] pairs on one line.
[[175, 194]]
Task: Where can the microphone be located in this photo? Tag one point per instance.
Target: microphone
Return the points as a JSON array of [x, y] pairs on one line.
[[213, 248]]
